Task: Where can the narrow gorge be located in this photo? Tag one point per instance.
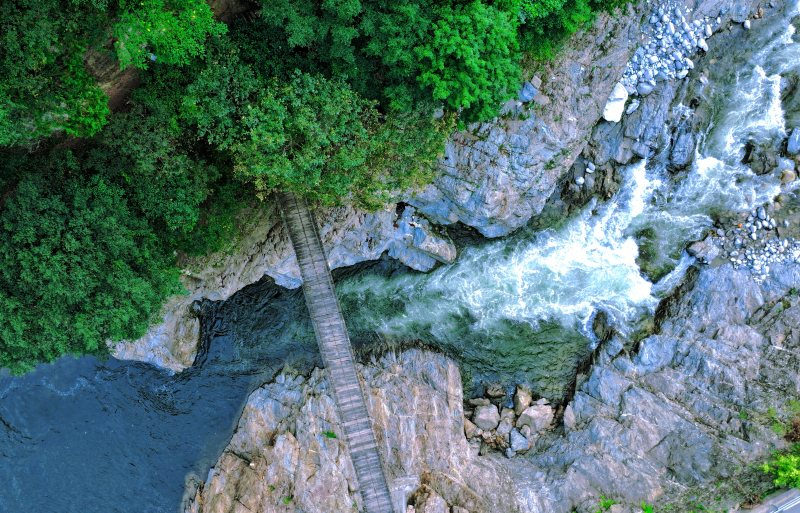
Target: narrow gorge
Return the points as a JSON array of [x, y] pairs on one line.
[[596, 298]]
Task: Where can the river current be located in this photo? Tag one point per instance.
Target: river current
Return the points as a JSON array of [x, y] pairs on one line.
[[89, 436]]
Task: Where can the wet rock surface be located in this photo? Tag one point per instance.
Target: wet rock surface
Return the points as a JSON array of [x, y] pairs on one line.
[[693, 404]]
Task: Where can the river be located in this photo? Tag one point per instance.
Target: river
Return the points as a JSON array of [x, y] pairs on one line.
[[90, 436]]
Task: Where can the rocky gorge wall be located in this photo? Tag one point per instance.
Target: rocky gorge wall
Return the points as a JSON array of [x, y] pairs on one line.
[[690, 406], [494, 177]]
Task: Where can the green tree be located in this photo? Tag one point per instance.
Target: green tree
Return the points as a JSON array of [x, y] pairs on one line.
[[173, 31], [308, 135], [324, 30], [471, 63], [77, 267], [45, 87]]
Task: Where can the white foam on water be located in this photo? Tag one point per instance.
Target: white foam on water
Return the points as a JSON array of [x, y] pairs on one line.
[[589, 263], [564, 274]]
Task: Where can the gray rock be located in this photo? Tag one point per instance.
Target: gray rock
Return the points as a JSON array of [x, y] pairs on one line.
[[793, 144], [522, 398], [504, 428], [518, 442], [705, 251], [682, 152], [615, 105], [486, 417], [527, 93], [644, 88], [538, 417]]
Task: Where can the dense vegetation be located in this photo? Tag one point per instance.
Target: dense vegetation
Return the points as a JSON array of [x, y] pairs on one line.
[[331, 99]]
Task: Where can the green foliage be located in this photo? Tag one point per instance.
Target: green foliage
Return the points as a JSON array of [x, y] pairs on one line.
[[785, 468], [605, 504], [173, 30], [548, 22], [471, 62], [308, 135], [647, 508], [329, 434], [44, 86], [77, 267], [164, 181], [325, 30], [312, 135], [406, 53]]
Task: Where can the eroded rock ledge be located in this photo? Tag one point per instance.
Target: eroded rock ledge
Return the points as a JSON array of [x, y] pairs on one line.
[[690, 407]]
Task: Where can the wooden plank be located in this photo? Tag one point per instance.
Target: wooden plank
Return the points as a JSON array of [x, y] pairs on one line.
[[337, 353]]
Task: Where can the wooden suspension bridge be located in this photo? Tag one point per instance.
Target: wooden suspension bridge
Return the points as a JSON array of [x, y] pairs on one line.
[[337, 353]]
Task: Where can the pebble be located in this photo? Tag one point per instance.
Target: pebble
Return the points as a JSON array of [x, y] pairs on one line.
[[746, 24], [673, 39], [579, 180]]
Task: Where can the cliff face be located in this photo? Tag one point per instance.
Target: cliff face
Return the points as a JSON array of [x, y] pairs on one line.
[[692, 406]]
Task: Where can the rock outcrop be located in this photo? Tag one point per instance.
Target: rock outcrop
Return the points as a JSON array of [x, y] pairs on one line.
[[693, 405], [286, 454]]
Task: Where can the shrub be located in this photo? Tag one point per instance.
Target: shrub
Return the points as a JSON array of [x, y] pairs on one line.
[[785, 467]]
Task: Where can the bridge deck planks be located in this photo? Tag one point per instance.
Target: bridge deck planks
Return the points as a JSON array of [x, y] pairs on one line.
[[337, 353]]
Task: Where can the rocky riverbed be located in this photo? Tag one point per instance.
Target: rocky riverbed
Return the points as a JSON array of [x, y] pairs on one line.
[[659, 415], [692, 404]]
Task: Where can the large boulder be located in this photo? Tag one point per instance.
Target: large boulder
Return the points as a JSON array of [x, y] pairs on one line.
[[486, 417], [615, 105]]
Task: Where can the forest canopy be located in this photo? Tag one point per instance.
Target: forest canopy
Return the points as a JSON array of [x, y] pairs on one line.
[[336, 100]]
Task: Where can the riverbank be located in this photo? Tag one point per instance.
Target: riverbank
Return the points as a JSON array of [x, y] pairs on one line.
[[660, 416], [688, 406]]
